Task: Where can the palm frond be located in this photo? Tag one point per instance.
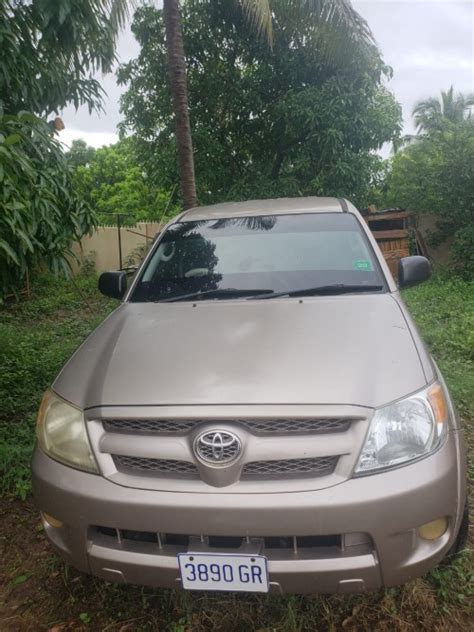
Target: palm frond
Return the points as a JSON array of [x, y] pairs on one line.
[[427, 114], [431, 114], [259, 15], [120, 12], [339, 15]]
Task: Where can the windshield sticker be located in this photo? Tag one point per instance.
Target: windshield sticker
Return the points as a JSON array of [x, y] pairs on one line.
[[363, 264]]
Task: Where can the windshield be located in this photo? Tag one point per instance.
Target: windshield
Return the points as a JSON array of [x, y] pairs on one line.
[[252, 255]]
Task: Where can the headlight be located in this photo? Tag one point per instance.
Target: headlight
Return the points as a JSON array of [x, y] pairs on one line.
[[404, 431], [61, 433]]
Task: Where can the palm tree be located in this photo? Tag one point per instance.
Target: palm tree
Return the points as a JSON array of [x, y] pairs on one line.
[[179, 93], [337, 15], [433, 114]]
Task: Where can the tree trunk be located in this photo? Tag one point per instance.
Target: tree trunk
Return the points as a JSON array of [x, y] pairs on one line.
[[179, 92]]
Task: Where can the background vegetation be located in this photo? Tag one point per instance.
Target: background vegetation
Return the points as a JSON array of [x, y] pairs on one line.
[[111, 181], [305, 115], [49, 50], [266, 122], [433, 173]]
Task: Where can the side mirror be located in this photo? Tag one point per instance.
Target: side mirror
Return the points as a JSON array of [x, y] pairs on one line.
[[413, 270], [113, 284]]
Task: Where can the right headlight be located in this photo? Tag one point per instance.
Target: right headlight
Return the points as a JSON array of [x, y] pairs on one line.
[[405, 431]]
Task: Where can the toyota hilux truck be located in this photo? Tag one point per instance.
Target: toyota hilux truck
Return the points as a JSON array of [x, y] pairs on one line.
[[258, 414]]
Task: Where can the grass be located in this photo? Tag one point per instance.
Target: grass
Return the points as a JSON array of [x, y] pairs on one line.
[[443, 310], [36, 338], [39, 592]]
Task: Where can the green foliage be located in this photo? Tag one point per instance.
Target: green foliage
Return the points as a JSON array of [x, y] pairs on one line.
[[112, 182], [434, 174], [36, 338], [266, 122], [436, 114], [80, 154], [40, 213], [443, 309], [49, 50]]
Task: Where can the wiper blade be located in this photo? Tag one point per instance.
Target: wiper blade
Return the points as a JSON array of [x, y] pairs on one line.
[[226, 292], [335, 288]]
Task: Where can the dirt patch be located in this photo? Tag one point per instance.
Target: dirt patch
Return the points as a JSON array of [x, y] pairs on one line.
[[38, 592]]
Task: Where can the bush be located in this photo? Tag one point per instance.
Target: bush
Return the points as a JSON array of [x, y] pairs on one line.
[[434, 175]]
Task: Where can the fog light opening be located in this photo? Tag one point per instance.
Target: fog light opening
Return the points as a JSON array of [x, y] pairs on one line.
[[53, 522], [434, 529]]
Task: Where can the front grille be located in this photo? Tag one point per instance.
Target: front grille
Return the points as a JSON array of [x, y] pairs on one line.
[[288, 468], [155, 466], [149, 426], [183, 541], [256, 426], [255, 470]]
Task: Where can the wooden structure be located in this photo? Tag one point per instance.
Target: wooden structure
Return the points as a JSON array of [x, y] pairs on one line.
[[391, 229]]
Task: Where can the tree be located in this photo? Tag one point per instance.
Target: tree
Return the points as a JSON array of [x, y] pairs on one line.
[[179, 93], [334, 17], [80, 154], [49, 51], [40, 213], [434, 175], [112, 182], [433, 114], [266, 122]]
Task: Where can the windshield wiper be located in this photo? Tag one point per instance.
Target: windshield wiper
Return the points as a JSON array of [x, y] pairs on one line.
[[225, 292], [335, 288]]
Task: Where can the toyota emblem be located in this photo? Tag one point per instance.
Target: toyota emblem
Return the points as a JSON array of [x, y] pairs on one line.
[[217, 447]]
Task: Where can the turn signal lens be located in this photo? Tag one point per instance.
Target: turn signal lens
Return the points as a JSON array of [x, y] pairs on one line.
[[434, 529], [438, 403]]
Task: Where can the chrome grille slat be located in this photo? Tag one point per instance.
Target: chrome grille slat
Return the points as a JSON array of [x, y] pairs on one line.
[[256, 426]]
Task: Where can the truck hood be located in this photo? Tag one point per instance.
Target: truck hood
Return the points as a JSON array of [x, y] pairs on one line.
[[353, 349]]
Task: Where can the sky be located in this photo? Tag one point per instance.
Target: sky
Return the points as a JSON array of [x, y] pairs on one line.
[[428, 43]]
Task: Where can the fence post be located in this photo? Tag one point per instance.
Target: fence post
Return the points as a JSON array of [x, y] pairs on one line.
[[119, 240]]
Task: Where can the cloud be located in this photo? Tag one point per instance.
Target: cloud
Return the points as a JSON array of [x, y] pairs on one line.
[[94, 139], [434, 60], [428, 43]]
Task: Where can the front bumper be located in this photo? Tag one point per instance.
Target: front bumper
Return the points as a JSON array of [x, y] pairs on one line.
[[383, 509]]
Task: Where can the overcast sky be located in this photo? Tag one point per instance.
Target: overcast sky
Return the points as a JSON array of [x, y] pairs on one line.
[[428, 43]]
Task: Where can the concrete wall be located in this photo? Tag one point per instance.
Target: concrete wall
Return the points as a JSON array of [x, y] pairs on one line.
[[426, 224], [102, 246]]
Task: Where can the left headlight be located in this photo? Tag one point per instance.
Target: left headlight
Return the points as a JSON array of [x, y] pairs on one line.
[[405, 431], [62, 434]]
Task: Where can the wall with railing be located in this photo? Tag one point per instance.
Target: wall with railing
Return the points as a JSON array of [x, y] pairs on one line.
[[113, 247]]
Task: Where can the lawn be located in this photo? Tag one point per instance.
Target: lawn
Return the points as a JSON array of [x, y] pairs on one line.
[[38, 592]]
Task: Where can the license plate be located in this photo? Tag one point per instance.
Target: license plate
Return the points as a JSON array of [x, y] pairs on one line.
[[221, 571]]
